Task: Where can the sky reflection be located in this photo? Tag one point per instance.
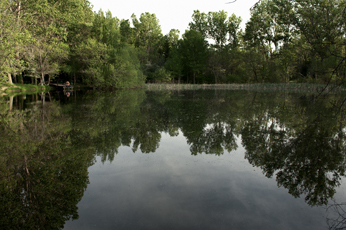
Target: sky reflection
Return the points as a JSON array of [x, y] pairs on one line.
[[172, 189], [196, 159]]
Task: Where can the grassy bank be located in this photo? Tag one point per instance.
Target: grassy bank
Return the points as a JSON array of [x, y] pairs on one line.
[[18, 88], [304, 87]]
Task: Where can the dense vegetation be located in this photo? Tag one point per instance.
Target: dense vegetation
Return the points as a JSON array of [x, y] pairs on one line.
[[284, 40]]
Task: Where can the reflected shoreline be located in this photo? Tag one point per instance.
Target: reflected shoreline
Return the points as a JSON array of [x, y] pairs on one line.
[[294, 138]]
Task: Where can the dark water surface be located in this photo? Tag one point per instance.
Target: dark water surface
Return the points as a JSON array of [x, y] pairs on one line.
[[196, 159]]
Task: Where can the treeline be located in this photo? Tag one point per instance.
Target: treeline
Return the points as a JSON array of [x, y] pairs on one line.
[[284, 40], [48, 38]]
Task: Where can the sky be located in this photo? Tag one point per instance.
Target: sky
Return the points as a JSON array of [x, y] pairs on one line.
[[174, 14]]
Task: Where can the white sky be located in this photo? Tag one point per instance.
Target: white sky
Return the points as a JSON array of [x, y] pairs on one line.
[[174, 14]]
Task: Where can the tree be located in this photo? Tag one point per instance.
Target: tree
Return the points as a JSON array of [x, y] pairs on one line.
[[123, 69], [233, 30], [49, 54], [13, 36], [270, 24], [49, 24], [224, 31], [218, 28], [106, 28], [200, 23], [175, 63], [148, 36], [314, 29], [322, 24], [91, 56], [127, 33], [194, 50], [169, 41]]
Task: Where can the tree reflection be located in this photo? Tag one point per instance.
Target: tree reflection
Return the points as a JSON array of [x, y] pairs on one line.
[[299, 139], [306, 155], [46, 149], [214, 139], [42, 178], [336, 216]]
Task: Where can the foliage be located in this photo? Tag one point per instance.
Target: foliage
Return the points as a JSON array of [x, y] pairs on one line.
[[147, 35], [301, 41], [297, 40], [12, 38], [193, 50], [42, 177]]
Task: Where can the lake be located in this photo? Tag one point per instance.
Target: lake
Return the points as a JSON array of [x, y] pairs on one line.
[[173, 159]]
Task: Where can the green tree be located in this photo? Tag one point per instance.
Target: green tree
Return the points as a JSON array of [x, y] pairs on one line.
[[175, 63], [169, 41], [148, 36], [13, 37], [106, 28], [322, 24], [313, 30], [194, 50], [50, 24], [105, 59], [233, 31], [123, 69], [217, 28], [79, 31], [224, 32], [91, 56], [200, 23], [126, 31]]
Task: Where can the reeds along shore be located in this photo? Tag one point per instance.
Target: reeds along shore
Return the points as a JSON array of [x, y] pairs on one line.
[[306, 87]]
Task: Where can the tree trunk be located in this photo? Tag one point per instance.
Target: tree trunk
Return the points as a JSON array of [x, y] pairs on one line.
[[50, 98], [21, 79], [15, 78], [11, 103], [43, 98], [9, 78], [42, 79]]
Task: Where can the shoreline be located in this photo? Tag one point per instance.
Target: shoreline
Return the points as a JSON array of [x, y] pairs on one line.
[[301, 87], [18, 88], [6, 89]]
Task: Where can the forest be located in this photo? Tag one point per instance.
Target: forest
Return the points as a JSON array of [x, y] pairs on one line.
[[284, 41]]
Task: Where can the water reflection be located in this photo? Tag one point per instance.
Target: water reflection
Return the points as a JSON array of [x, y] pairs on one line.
[[307, 160], [42, 177], [48, 145], [336, 216]]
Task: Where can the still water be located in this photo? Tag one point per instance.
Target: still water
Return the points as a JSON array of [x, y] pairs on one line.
[[195, 159]]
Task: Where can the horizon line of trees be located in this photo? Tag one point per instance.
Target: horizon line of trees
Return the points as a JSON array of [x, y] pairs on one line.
[[284, 40]]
